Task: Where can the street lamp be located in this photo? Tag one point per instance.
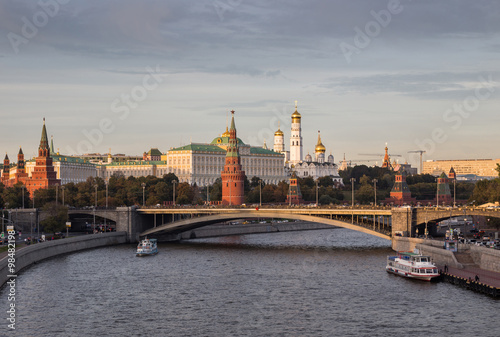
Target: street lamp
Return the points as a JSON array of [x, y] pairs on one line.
[[95, 206], [31, 229], [437, 194], [63, 188], [208, 196], [290, 195], [260, 193], [375, 181], [352, 183], [426, 229], [454, 192], [22, 187], [352, 203], [107, 183], [57, 192], [143, 194], [174, 182], [316, 193]]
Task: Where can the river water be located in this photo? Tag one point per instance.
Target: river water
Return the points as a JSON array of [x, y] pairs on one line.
[[314, 283]]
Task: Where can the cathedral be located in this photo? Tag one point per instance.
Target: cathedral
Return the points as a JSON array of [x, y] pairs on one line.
[[310, 167]]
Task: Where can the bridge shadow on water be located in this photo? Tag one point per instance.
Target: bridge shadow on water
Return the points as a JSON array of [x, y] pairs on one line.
[[321, 240]]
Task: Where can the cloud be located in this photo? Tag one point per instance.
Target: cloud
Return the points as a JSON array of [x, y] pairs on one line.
[[431, 85]]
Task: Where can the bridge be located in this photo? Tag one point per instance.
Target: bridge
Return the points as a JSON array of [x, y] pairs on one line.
[[341, 218], [169, 222]]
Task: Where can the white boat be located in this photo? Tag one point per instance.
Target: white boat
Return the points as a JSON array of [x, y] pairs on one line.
[[147, 247], [412, 265]]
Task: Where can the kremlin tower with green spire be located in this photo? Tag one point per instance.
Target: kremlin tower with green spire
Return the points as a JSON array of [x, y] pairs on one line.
[[43, 174], [233, 178]]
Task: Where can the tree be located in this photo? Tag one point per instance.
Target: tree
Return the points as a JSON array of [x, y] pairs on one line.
[[57, 216], [44, 196], [216, 190], [498, 169], [486, 191], [268, 193], [14, 196], [325, 199], [254, 182], [185, 194], [325, 181]]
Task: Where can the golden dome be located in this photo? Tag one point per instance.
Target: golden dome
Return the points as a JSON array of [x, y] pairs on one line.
[[226, 133], [279, 133], [296, 117], [319, 147]]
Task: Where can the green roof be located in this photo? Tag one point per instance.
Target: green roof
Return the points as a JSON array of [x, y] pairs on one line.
[[260, 150], [154, 152], [225, 141], [61, 158], [200, 148], [136, 163]]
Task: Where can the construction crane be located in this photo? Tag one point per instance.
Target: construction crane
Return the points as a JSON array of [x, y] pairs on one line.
[[356, 161], [378, 154], [421, 162]]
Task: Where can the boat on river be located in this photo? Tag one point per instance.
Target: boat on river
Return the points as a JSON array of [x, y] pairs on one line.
[[412, 265], [147, 247]]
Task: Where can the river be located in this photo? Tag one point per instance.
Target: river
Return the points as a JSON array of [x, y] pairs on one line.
[[314, 283]]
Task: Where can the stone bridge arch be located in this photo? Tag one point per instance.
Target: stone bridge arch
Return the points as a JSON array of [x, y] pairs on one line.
[[434, 214], [104, 214], [197, 222]]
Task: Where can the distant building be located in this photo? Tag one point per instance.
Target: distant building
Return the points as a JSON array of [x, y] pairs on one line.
[[202, 163], [152, 155], [482, 168]]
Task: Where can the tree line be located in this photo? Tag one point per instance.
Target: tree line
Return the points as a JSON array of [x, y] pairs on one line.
[[128, 191]]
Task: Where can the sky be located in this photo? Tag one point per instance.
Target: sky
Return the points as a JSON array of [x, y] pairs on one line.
[[131, 75]]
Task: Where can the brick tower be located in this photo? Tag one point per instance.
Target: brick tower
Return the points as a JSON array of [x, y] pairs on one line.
[[6, 170], [294, 196], [452, 175], [443, 190], [400, 193], [20, 175], [233, 178], [43, 174]]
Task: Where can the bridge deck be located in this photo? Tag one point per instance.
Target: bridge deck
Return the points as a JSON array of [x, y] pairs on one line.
[[293, 210]]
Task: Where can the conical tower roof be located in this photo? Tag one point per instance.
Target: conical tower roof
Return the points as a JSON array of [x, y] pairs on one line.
[[44, 141], [233, 127], [52, 144], [20, 150]]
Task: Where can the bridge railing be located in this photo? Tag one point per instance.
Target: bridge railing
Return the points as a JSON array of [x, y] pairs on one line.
[[267, 206]]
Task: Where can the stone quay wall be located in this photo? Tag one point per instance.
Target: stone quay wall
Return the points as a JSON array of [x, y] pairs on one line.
[[34, 253]]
